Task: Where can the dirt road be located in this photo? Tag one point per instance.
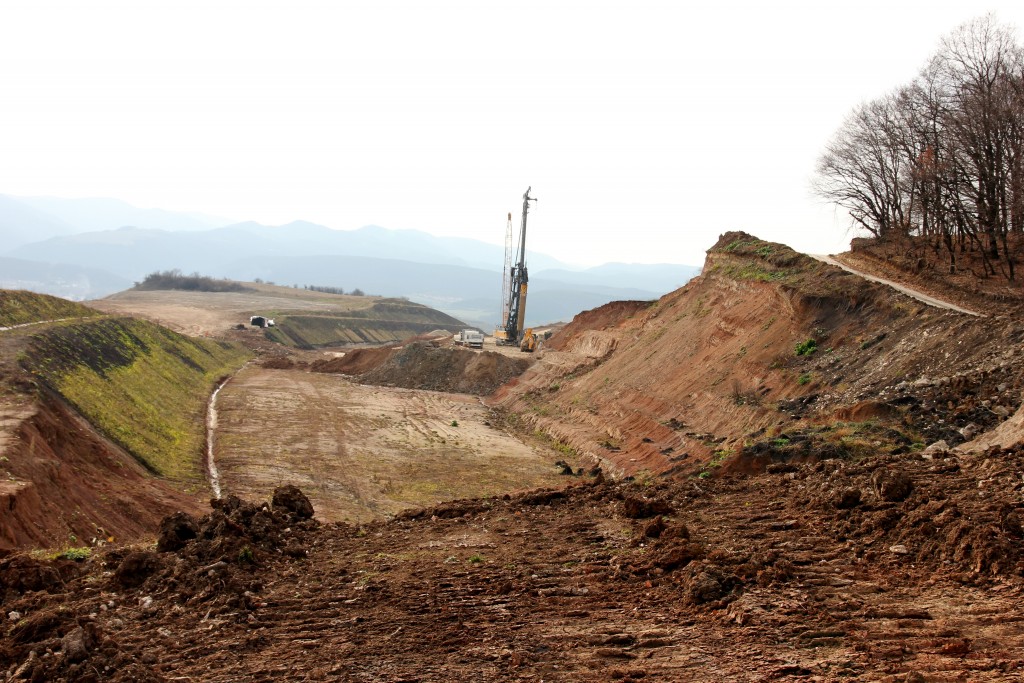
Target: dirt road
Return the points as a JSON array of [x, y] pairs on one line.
[[363, 452], [920, 296]]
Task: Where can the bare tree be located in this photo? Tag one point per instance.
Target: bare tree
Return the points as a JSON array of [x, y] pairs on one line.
[[944, 156]]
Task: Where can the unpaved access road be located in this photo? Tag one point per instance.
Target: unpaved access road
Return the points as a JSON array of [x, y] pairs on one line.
[[903, 289], [364, 452]]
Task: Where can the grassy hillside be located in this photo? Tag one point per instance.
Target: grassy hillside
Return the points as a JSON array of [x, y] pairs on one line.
[[18, 307], [143, 385]]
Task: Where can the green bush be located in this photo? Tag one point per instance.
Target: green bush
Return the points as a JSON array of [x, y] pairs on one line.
[[806, 348]]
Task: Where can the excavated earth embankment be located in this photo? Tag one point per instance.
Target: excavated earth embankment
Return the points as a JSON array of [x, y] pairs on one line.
[[429, 366], [68, 486], [766, 344]]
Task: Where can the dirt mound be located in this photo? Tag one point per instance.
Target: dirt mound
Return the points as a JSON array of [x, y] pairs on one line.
[[279, 363], [354, 362], [215, 568], [424, 366]]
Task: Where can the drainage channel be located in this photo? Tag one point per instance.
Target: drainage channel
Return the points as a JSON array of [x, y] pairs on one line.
[[211, 428]]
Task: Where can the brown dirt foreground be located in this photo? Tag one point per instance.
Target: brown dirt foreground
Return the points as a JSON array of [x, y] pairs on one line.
[[894, 568]]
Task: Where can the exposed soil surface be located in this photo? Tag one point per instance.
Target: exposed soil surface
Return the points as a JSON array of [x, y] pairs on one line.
[[362, 452], [216, 313], [890, 569], [764, 345], [806, 477]]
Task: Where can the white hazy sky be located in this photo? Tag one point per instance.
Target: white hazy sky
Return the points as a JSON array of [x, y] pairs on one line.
[[645, 128]]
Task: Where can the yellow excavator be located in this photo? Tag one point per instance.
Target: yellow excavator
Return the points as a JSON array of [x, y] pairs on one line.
[[514, 285], [529, 340]]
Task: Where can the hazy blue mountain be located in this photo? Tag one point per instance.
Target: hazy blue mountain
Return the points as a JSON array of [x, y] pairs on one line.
[[59, 279], [21, 224], [135, 252], [94, 214], [301, 237], [459, 276]]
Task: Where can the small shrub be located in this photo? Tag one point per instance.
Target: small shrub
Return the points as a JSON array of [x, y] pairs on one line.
[[76, 554], [455, 423], [804, 379], [476, 559], [246, 556], [806, 348]]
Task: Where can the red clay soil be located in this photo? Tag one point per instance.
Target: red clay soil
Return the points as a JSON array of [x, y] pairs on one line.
[[68, 486], [893, 568], [354, 362], [608, 316], [714, 365]]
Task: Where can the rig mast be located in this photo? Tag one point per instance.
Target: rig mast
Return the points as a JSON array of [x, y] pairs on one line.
[[517, 278]]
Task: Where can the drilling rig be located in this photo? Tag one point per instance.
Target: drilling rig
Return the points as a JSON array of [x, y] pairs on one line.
[[513, 290]]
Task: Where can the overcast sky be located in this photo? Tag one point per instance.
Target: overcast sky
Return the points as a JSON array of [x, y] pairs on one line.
[[645, 128]]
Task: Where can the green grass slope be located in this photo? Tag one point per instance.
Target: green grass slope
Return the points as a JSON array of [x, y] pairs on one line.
[[142, 385], [18, 307]]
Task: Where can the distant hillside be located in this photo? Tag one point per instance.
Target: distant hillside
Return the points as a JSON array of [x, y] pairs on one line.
[[22, 224], [93, 214], [387, 320], [459, 276], [303, 318], [73, 282]]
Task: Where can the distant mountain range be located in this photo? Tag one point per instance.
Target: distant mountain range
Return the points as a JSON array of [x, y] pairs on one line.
[[89, 248]]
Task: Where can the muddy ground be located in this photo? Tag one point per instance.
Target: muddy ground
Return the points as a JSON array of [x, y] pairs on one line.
[[890, 569]]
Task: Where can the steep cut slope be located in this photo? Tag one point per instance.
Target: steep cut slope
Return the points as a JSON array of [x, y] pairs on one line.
[[142, 385], [757, 348], [66, 484]]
